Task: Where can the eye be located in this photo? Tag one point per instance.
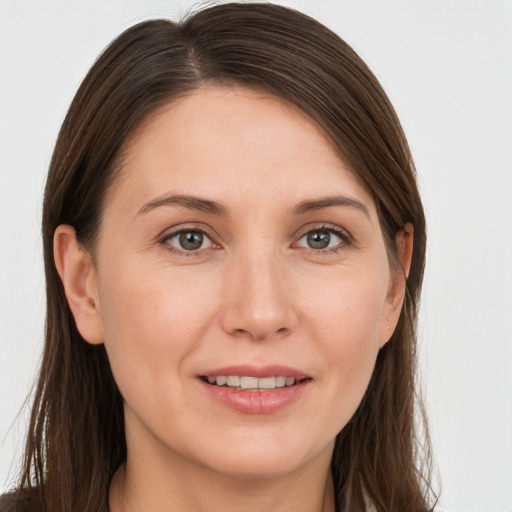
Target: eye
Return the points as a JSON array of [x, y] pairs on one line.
[[189, 240], [322, 238]]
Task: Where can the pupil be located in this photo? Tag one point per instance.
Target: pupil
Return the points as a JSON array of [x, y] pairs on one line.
[[319, 239], [191, 240]]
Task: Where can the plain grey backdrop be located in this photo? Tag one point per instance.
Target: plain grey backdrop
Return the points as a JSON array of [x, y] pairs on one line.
[[447, 67]]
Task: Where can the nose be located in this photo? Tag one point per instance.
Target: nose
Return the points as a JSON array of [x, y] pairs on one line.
[[258, 302]]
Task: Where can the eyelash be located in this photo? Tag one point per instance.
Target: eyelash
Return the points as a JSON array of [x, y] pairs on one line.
[[345, 243], [346, 240], [183, 252]]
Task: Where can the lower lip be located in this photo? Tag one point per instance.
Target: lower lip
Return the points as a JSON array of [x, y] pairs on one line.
[[256, 402]]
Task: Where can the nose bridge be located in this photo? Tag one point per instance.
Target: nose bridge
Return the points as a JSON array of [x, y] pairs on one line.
[[259, 302]]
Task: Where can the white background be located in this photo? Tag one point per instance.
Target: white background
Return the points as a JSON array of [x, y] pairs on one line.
[[447, 66]]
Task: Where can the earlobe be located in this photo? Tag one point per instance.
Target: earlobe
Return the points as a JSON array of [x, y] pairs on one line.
[[78, 278], [396, 292]]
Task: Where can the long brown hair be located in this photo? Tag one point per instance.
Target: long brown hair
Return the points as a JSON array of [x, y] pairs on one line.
[[76, 437]]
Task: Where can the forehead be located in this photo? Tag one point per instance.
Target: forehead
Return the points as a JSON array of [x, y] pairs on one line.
[[233, 142]]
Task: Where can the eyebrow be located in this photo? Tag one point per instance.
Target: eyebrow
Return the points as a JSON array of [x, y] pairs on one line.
[[326, 202], [189, 202], [212, 207]]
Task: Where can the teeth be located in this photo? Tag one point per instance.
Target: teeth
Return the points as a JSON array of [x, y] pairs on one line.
[[248, 382], [280, 382], [235, 381], [267, 383]]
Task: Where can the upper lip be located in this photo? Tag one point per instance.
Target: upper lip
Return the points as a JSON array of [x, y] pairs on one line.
[[274, 370]]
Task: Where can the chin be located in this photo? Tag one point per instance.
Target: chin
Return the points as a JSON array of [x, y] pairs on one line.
[[258, 468], [265, 460]]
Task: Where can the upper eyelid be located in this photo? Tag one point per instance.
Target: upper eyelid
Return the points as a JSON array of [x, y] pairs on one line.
[[173, 234], [173, 231], [342, 232]]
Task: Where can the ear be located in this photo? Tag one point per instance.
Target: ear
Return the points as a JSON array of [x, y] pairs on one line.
[[396, 291], [78, 277]]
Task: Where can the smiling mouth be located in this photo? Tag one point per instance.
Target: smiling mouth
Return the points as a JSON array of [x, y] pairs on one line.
[[244, 383]]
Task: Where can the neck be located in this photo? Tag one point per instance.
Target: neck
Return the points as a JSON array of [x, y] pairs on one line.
[[144, 485]]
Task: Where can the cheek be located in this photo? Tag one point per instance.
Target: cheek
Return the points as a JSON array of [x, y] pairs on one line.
[[152, 321], [346, 317], [349, 306]]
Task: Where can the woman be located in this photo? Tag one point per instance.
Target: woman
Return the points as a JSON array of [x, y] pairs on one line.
[[234, 248]]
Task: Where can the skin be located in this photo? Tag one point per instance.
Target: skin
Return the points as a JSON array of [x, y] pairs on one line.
[[255, 292]]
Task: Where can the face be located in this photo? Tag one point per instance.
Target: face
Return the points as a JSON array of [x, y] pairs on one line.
[[238, 246]]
